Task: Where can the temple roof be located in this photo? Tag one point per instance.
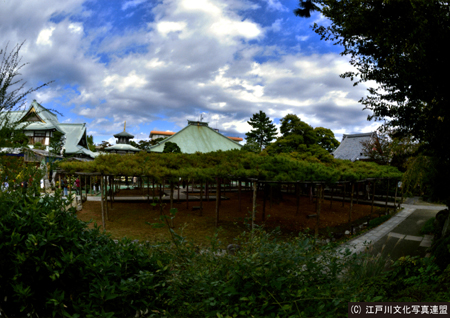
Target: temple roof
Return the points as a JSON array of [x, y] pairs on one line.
[[198, 137], [351, 147]]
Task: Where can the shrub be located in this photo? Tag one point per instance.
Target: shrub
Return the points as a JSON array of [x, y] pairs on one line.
[[52, 264], [428, 227]]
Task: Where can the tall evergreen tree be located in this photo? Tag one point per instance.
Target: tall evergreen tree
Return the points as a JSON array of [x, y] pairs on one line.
[[264, 130]]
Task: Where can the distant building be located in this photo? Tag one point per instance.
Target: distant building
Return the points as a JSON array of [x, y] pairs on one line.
[[122, 145], [154, 134], [38, 124], [199, 137], [351, 147]]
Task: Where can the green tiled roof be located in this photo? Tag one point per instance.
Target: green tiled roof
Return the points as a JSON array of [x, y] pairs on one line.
[[198, 137], [122, 147], [123, 134]]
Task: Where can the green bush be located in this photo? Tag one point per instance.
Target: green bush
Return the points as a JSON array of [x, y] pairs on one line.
[[52, 264], [377, 221], [428, 227]]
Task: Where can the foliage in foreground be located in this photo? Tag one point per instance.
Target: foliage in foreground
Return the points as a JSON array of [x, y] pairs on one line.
[[55, 266], [51, 264]]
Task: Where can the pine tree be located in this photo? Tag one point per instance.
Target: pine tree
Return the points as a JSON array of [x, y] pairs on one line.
[[263, 132]]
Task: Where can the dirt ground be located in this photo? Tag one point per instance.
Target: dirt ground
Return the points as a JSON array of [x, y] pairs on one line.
[[131, 218]]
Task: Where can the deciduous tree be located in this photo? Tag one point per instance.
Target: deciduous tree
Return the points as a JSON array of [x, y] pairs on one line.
[[12, 90], [398, 44]]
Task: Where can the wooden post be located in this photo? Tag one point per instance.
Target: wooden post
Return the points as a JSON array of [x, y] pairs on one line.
[[105, 183], [201, 198], [395, 197], [171, 203], [220, 191], [103, 209], [240, 190], [343, 195], [319, 199], [357, 193], [217, 202], [373, 197], [387, 196], [297, 195], [331, 200], [111, 191], [264, 201], [207, 192], [154, 193], [178, 191], [255, 187], [187, 195], [148, 190], [351, 207]]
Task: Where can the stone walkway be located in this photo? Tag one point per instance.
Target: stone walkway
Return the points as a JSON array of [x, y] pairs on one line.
[[399, 236]]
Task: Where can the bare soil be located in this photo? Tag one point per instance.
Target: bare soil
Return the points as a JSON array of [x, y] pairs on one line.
[[130, 218]]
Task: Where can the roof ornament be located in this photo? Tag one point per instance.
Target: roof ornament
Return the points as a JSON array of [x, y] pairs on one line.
[[124, 125]]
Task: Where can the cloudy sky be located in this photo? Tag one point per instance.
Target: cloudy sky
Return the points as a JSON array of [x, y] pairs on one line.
[[157, 64]]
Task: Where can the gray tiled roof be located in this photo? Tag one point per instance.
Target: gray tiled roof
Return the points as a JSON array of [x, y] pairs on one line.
[[351, 147]]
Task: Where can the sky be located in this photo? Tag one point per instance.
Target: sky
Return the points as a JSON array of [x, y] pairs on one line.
[[157, 64]]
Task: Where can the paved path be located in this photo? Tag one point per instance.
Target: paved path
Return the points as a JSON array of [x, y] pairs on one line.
[[399, 236]]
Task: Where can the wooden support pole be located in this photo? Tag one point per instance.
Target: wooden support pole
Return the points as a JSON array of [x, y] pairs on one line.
[[343, 195], [201, 198], [187, 195], [240, 192], [395, 197], [171, 203], [373, 197], [255, 187], [106, 198], [331, 200], [103, 209], [217, 202], [207, 191], [297, 197], [264, 201], [148, 190], [351, 207], [220, 191], [387, 196], [178, 190], [319, 198], [357, 193], [154, 193], [111, 191]]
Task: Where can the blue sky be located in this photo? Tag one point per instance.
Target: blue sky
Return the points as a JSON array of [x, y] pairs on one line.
[[157, 64]]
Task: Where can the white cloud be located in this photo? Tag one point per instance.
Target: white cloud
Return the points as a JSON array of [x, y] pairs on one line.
[[165, 27], [44, 36], [275, 5]]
